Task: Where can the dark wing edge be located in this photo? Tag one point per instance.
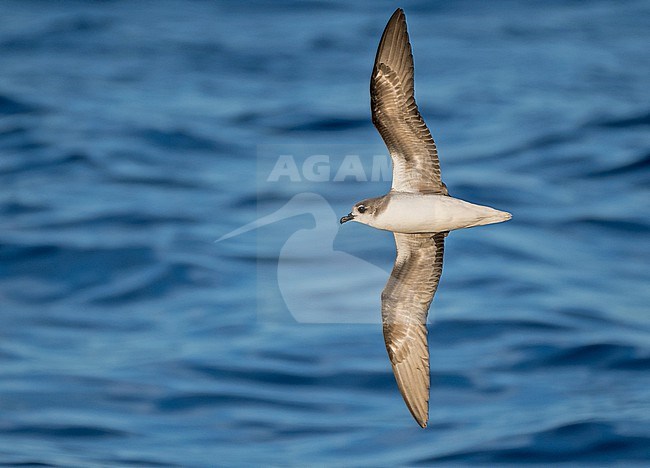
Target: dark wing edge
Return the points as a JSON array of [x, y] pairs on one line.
[[395, 114], [405, 306], [394, 51]]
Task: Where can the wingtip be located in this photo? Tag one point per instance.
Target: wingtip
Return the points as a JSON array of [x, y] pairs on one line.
[[397, 15], [422, 418]]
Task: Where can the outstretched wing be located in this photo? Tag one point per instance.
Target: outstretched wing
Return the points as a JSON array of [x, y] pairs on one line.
[[395, 114], [405, 304]]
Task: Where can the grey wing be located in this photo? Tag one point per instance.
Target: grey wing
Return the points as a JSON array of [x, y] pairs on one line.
[[395, 114], [405, 304]]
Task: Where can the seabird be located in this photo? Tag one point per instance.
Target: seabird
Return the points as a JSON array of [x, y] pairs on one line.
[[419, 212]]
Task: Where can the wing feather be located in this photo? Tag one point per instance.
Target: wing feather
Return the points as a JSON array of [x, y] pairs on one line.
[[395, 114], [405, 305]]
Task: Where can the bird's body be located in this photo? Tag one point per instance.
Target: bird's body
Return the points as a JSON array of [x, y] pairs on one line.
[[418, 210], [416, 213]]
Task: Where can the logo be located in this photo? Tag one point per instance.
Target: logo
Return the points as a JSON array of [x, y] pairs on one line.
[[302, 269]]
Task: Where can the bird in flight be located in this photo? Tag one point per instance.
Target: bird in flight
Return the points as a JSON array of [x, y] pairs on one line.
[[419, 212]]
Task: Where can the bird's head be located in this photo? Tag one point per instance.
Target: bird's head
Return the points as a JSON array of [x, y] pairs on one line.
[[364, 211]]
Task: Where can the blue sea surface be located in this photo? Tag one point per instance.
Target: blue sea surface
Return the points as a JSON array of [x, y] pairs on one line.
[[135, 134]]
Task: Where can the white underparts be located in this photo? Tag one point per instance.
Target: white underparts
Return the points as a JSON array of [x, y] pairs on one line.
[[417, 213]]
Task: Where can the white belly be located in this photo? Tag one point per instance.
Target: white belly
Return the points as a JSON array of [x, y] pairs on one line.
[[415, 213]]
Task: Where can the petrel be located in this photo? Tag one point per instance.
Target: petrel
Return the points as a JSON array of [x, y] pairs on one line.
[[418, 210]]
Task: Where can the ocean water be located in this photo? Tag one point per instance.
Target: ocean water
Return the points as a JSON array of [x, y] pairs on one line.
[[135, 134]]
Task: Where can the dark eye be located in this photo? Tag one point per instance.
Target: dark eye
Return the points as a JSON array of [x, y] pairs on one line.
[[361, 208]]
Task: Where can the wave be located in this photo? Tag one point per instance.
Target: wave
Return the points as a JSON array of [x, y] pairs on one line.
[[580, 441], [625, 122], [178, 139], [592, 355], [623, 226], [64, 431], [325, 124], [9, 106], [640, 166]]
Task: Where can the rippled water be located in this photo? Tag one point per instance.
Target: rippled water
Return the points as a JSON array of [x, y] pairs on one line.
[[134, 134]]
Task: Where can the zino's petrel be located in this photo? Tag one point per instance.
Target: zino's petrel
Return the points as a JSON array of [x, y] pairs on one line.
[[418, 210]]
